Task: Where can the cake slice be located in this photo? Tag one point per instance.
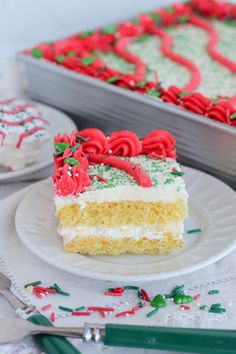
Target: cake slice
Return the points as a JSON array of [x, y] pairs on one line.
[[119, 194], [23, 132]]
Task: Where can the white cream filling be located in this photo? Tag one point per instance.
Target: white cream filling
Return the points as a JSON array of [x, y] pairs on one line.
[[124, 193], [153, 232]]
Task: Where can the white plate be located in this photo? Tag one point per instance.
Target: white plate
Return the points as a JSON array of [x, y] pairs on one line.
[[212, 208], [59, 122]]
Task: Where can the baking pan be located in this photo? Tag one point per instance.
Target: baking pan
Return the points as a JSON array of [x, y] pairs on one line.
[[201, 142]]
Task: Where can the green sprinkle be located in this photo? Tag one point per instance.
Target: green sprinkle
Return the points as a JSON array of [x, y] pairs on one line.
[[35, 283], [233, 116], [80, 308], [71, 53], [102, 69], [85, 34], [150, 314], [72, 161], [86, 61], [61, 146], [169, 10], [143, 38], [81, 138], [37, 53], [58, 153], [177, 173], [63, 293], [131, 287], [57, 288], [74, 148], [203, 307], [159, 301], [109, 29], [141, 84], [213, 292], [215, 306], [141, 304], [183, 94], [63, 308], [113, 79], [108, 167], [182, 299], [178, 290], [193, 231], [140, 295], [60, 59], [217, 310], [153, 93], [168, 296], [156, 17]]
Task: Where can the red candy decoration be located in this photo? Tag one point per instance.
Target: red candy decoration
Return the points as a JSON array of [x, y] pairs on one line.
[[196, 103], [160, 142], [124, 143]]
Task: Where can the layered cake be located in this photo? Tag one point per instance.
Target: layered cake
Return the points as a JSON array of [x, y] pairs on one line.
[[119, 194], [23, 132], [184, 54]]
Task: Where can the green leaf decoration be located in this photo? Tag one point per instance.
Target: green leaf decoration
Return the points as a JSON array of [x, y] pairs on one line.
[[141, 84], [37, 53], [153, 93], [74, 148], [113, 79], [60, 59], [143, 38], [170, 10], [71, 53], [156, 17], [182, 299], [61, 146], [233, 116], [158, 301], [109, 29], [86, 61], [58, 153], [72, 161], [183, 94], [183, 19], [85, 34], [135, 21]]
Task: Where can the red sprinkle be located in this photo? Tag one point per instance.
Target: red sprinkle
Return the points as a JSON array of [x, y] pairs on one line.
[[53, 317], [47, 307], [100, 178], [197, 297], [97, 308], [44, 290], [184, 307], [80, 313], [118, 290], [109, 293], [138, 307], [145, 295], [39, 295], [124, 313]]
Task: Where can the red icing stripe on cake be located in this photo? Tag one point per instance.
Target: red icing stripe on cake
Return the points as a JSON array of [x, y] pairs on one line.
[[18, 109], [131, 168], [26, 134], [166, 49], [23, 121]]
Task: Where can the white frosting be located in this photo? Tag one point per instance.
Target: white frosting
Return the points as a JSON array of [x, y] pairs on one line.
[[153, 232], [13, 157], [121, 187]]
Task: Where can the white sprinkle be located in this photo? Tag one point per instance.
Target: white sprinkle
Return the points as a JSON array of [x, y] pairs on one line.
[[102, 164], [76, 174], [60, 168], [108, 137], [94, 177], [110, 151], [127, 315]]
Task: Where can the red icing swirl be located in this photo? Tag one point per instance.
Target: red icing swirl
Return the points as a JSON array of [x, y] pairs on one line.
[[196, 103], [97, 142], [132, 169], [124, 143], [160, 142]]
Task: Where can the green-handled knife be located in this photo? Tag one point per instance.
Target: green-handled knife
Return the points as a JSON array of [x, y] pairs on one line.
[[205, 341], [48, 343]]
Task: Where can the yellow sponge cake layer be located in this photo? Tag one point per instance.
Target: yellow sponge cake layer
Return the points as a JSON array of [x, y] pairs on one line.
[[122, 213]]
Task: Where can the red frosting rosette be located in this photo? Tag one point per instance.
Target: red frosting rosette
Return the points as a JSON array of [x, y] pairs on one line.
[[93, 141], [171, 95], [160, 142], [196, 102], [73, 180], [124, 143], [221, 112]]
